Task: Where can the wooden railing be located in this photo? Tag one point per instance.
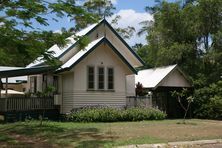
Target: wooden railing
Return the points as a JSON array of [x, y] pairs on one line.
[[25, 104]]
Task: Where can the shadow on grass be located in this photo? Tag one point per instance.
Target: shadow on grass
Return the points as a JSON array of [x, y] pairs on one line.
[[55, 135]]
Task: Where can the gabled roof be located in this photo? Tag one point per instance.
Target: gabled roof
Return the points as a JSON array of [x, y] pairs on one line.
[[151, 78], [80, 54], [83, 53], [59, 53], [124, 42]]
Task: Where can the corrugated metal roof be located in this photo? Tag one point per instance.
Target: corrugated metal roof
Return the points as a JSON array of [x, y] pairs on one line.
[[57, 51], [13, 79], [77, 56], [26, 71], [12, 92], [150, 78]]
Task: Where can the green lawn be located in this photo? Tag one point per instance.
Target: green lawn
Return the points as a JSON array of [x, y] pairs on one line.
[[57, 134]]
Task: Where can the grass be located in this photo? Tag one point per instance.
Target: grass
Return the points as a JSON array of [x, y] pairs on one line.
[[68, 134]]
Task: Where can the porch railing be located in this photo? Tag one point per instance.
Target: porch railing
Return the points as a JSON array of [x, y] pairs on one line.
[[25, 104]]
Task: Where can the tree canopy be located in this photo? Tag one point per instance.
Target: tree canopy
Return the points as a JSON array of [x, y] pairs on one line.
[[21, 42], [187, 34]]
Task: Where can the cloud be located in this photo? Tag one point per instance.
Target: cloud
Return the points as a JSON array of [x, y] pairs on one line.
[[58, 31], [2, 23], [114, 2], [130, 17]]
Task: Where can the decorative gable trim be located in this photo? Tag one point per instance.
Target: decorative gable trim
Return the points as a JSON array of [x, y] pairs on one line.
[[72, 46], [113, 30], [104, 40], [124, 42]]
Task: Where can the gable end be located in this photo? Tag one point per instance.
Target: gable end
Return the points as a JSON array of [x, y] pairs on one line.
[[124, 42], [104, 40]]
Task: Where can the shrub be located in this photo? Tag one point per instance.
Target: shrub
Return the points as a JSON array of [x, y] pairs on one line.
[[208, 101], [108, 114]]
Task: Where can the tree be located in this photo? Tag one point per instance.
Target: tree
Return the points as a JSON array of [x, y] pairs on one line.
[[22, 46], [125, 33], [140, 90], [101, 8], [181, 34], [188, 34], [183, 95]]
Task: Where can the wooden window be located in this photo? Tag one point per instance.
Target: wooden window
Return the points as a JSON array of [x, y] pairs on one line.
[[44, 82], [56, 83], [101, 78], [110, 78], [91, 80], [33, 84]]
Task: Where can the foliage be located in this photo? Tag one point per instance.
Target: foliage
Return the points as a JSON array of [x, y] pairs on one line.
[[126, 32], [189, 34], [139, 114], [208, 101], [108, 114], [183, 95], [21, 41], [101, 8], [140, 90]]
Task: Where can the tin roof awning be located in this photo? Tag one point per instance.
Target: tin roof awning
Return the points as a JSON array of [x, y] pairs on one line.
[[26, 71]]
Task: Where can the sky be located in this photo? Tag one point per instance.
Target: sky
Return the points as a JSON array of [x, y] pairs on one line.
[[132, 12]]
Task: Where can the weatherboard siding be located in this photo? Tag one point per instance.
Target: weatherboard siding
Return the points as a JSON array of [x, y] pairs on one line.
[[76, 95], [175, 79], [67, 92], [130, 87], [85, 98]]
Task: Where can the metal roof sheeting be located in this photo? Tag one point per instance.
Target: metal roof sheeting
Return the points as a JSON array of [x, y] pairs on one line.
[[13, 79], [59, 51], [26, 71], [12, 92], [150, 78], [77, 56]]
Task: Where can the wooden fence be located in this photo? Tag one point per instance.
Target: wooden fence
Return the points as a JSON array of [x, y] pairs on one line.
[[139, 101], [25, 104]]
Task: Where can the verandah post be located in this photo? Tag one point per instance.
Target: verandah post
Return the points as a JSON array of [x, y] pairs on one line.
[[6, 94], [1, 87]]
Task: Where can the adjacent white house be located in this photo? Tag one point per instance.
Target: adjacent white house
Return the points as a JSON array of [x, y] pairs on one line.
[[95, 75], [16, 85]]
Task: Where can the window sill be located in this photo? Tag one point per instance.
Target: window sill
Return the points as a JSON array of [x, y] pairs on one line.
[[100, 90]]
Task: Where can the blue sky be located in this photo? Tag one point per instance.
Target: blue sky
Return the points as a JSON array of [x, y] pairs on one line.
[[131, 11]]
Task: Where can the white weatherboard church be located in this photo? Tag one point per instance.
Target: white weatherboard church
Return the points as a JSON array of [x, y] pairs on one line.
[[99, 74]]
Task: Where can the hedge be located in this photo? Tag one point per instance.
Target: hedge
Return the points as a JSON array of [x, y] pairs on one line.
[[108, 114]]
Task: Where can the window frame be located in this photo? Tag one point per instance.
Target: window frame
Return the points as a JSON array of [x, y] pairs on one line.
[[108, 79], [98, 77], [90, 66]]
